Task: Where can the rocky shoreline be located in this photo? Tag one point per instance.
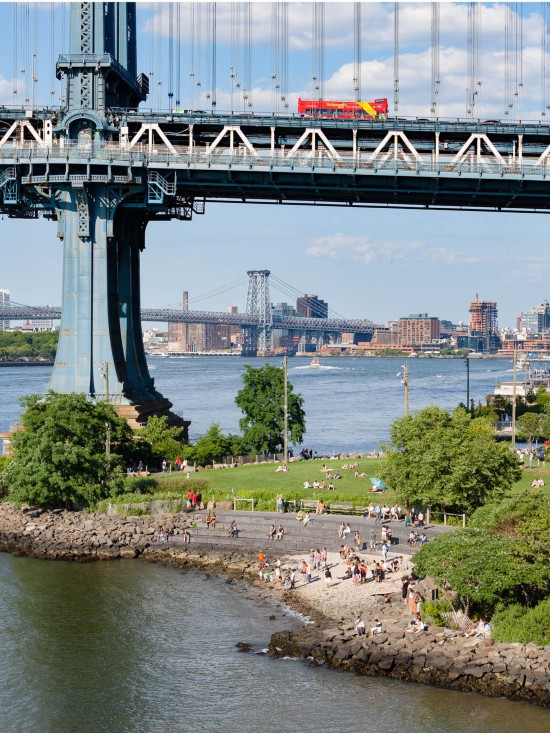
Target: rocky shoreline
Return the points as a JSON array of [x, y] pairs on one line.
[[438, 657]]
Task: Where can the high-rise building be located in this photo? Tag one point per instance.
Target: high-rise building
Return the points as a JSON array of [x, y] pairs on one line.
[[483, 326], [536, 321], [4, 300], [310, 306], [281, 337], [417, 329]]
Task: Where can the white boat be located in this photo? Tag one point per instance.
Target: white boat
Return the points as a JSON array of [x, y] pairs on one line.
[[315, 362]]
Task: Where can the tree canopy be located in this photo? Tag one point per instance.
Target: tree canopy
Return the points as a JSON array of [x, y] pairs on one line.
[[447, 460], [60, 456], [16, 345], [161, 441], [262, 401], [483, 569], [213, 445]]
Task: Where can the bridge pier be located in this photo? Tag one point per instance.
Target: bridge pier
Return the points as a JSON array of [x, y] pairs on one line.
[[100, 348]]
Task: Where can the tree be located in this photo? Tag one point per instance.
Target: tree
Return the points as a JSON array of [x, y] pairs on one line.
[[261, 400], [533, 425], [483, 569], [60, 456], [447, 460], [163, 440], [212, 445]]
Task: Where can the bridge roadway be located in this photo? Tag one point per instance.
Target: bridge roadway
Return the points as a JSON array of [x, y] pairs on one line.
[[180, 161], [327, 325]]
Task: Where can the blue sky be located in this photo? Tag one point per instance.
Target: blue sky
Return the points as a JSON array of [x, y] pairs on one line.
[[378, 264]]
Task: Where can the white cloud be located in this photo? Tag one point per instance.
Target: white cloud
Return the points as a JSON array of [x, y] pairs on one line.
[[6, 91], [367, 251]]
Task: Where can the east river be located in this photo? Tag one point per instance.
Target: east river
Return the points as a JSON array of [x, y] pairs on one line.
[[349, 402], [128, 646]]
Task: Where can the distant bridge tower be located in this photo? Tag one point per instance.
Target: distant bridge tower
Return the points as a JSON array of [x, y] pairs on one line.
[[257, 339]]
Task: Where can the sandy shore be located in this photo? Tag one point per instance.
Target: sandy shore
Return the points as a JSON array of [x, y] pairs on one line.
[[342, 599]]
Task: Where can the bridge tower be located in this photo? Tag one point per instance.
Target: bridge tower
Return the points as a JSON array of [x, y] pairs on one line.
[[102, 223], [257, 339]]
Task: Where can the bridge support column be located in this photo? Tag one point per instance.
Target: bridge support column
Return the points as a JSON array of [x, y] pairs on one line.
[[100, 348]]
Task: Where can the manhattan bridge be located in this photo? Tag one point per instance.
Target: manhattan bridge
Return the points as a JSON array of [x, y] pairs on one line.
[[103, 167]]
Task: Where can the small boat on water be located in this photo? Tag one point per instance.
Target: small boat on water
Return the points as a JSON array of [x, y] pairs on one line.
[[315, 362]]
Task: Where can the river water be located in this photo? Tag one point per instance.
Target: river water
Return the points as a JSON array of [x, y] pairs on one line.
[[349, 402], [127, 646]]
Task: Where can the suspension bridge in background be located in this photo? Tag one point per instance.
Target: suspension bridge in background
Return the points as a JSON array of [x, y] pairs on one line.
[[258, 321], [103, 169]]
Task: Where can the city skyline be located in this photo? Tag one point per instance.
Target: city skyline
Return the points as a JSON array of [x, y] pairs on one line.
[[375, 263], [293, 305]]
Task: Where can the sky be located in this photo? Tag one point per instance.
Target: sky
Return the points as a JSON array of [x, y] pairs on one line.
[[367, 263]]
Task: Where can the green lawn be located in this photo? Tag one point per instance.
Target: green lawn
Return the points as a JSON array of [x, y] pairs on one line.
[[262, 483]]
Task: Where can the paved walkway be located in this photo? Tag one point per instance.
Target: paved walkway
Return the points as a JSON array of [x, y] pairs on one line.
[[321, 531]]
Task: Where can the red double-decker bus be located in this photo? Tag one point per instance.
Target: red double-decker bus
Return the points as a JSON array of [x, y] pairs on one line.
[[378, 109]]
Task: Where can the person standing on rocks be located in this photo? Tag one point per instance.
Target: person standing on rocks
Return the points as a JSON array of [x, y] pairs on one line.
[[372, 543], [328, 578], [404, 588], [280, 503], [360, 627]]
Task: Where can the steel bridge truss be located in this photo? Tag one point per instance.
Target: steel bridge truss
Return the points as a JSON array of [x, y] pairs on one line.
[[176, 163]]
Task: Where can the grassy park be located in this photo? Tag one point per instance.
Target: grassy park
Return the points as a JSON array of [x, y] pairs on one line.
[[263, 483]]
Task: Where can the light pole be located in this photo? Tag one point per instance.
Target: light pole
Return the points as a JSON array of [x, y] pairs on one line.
[[405, 368], [107, 440], [467, 383], [285, 409], [105, 372], [514, 390]]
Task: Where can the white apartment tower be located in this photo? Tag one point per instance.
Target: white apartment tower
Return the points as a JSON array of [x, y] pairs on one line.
[[4, 300]]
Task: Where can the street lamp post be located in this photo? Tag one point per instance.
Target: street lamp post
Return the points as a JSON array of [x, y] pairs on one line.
[[285, 408]]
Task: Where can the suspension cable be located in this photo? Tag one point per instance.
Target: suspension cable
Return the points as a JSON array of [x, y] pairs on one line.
[[543, 70], [284, 56], [275, 55], [436, 52], [396, 58], [170, 56], [15, 73], [214, 60], [357, 51]]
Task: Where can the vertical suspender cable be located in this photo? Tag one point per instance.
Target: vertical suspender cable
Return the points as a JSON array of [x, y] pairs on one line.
[[275, 57], [435, 59], [15, 64], [519, 59], [247, 70], [284, 56], [318, 51], [322, 50], [214, 58], [158, 18], [507, 53], [178, 55], [198, 81], [170, 56], [543, 68], [52, 51], [396, 59], [472, 90], [192, 57], [357, 51], [315, 52], [207, 54], [34, 55], [64, 48]]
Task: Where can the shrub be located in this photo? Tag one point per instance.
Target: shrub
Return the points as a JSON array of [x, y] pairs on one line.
[[519, 624]]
